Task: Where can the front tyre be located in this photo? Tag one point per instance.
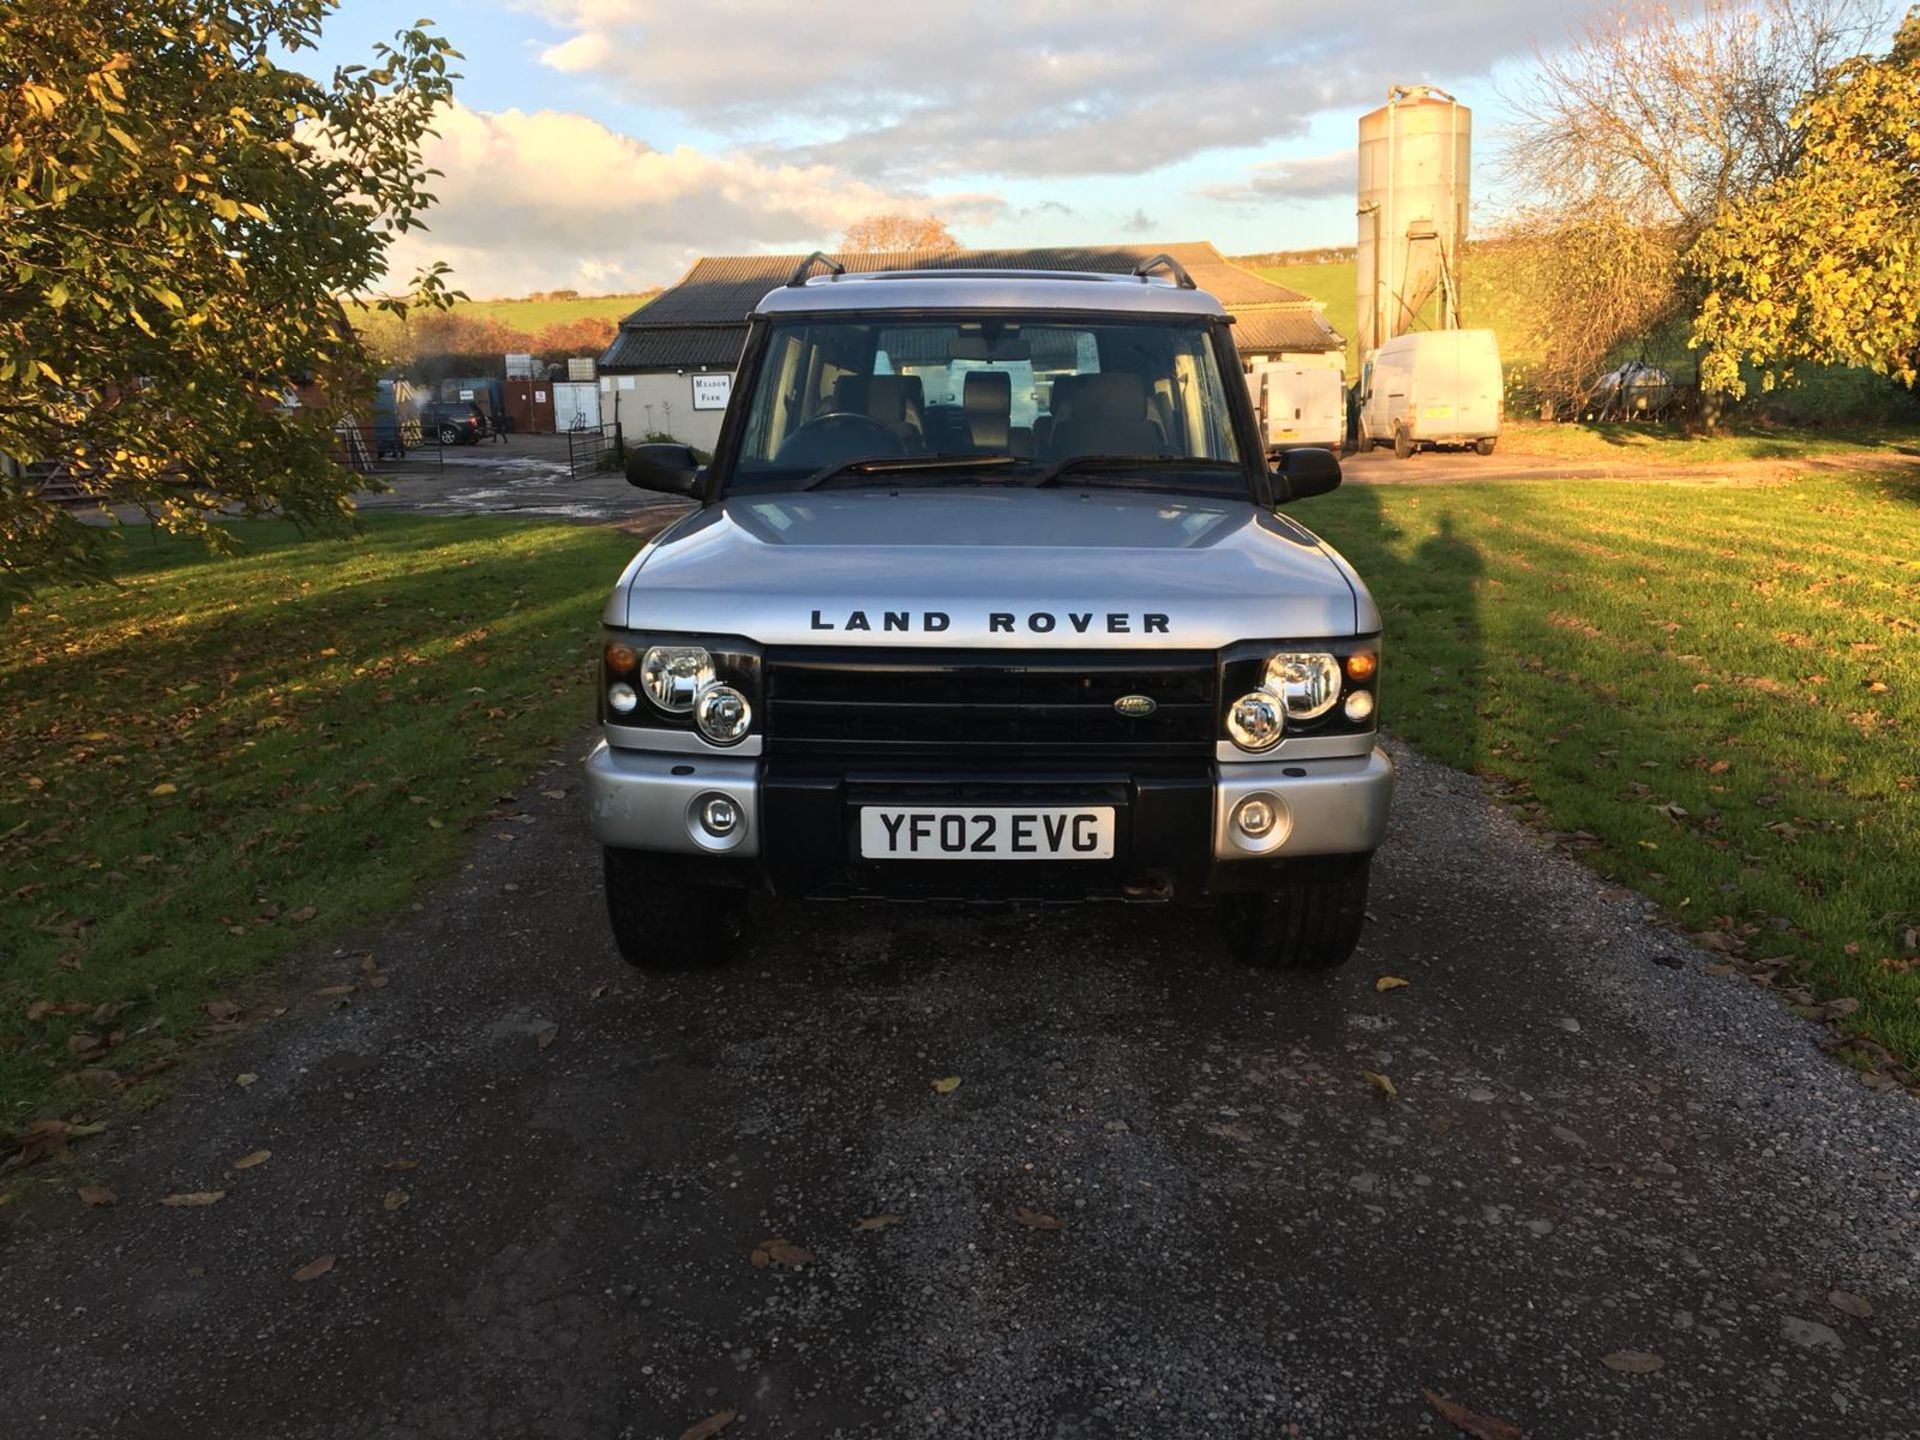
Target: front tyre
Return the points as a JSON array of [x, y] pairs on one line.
[[1402, 443], [1310, 920], [660, 923], [1483, 447], [449, 435]]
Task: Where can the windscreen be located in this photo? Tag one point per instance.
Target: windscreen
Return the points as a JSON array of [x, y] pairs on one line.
[[1038, 390]]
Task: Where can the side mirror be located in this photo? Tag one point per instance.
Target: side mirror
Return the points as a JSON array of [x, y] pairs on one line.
[[671, 468], [1306, 472]]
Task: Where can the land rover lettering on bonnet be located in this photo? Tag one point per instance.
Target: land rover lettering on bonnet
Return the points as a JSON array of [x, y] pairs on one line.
[[990, 593]]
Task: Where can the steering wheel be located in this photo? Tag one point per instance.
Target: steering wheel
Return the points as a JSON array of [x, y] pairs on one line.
[[838, 435]]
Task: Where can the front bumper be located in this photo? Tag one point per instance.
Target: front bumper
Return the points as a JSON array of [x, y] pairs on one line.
[[797, 832]]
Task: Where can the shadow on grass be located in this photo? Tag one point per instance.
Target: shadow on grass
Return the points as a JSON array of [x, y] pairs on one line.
[[1431, 593]]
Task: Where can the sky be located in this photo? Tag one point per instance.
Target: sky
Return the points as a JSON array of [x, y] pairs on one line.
[[602, 145]]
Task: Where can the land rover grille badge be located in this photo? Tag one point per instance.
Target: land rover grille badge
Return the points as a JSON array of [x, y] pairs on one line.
[[1136, 707]]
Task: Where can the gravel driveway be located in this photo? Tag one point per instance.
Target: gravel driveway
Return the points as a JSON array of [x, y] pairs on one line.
[[1597, 1150]]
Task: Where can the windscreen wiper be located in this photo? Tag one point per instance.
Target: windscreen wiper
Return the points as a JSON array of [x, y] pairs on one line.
[[888, 464], [1051, 475]]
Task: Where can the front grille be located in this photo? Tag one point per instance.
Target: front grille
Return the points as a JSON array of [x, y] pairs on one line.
[[988, 703]]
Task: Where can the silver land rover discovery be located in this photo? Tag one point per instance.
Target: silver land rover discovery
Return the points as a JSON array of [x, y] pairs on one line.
[[989, 596]]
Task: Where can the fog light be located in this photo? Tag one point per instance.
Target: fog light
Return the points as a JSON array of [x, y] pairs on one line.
[[1256, 817], [1359, 705], [621, 699], [1255, 721], [723, 715], [719, 815]]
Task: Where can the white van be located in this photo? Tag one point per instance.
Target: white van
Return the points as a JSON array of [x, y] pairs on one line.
[[1432, 387], [1299, 405]]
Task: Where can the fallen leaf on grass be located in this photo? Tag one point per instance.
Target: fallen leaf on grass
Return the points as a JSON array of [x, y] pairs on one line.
[[436, 823], [314, 1268], [165, 787], [396, 1200], [92, 1196], [194, 1197], [1481, 1427], [40, 1009], [1633, 1362], [302, 915], [222, 1010], [401, 1165], [547, 1036], [253, 1158], [245, 1078], [1847, 1303], [781, 1252], [1035, 1220], [947, 1084], [1381, 1083], [84, 1044], [1390, 982], [712, 1425], [554, 794], [876, 1222]]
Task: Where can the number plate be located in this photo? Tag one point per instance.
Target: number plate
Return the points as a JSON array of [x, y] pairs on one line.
[[987, 832]]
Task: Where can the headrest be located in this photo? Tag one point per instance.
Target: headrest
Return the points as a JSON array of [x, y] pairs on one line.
[[1115, 395], [988, 392], [850, 394], [1060, 396], [892, 398]]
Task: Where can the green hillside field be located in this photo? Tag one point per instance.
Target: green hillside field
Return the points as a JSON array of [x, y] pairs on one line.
[[536, 315], [1488, 302]]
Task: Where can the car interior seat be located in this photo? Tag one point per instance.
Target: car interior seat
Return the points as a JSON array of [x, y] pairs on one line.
[[1108, 415]]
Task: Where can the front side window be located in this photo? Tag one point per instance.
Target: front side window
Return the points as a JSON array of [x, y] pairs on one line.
[[1036, 391]]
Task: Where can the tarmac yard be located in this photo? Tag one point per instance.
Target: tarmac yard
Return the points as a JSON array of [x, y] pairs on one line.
[[974, 1172]]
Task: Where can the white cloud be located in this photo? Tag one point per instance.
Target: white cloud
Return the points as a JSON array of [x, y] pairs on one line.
[[1305, 178], [535, 200], [1067, 87]]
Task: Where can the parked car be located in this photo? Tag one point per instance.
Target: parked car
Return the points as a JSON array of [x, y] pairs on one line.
[[1432, 388], [453, 422], [1074, 652]]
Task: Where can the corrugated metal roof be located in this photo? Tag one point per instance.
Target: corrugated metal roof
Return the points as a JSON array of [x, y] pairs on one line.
[[675, 347], [700, 320], [1264, 330]]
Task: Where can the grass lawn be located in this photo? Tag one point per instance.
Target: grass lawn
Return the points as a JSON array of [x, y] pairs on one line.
[[226, 758], [1667, 444], [1712, 691]]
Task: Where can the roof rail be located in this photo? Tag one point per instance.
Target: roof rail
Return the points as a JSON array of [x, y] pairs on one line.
[[1171, 266], [818, 257]]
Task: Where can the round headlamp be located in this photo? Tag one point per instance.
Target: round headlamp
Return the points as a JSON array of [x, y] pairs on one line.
[[1255, 722], [1308, 684], [674, 674], [723, 715]]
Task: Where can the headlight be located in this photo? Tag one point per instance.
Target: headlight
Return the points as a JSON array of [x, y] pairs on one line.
[[1307, 683], [1255, 721], [674, 675], [723, 715]]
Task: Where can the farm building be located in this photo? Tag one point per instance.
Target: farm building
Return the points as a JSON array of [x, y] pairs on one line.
[[668, 370]]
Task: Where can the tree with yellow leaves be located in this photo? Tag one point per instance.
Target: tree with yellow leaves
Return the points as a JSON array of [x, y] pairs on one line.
[[1823, 265], [183, 218]]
